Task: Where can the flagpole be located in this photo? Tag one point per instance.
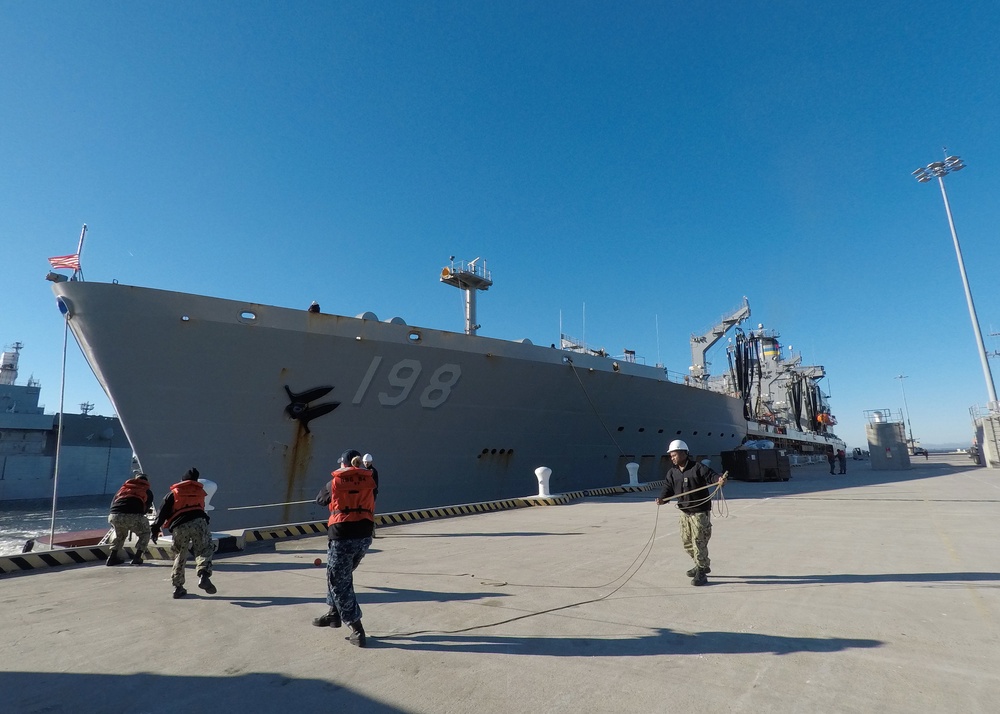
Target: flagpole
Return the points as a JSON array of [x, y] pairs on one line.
[[59, 433], [79, 250]]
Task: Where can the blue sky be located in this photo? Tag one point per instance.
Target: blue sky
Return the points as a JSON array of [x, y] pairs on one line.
[[654, 162]]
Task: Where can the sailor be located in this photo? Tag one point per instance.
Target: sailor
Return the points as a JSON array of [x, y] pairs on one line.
[[183, 513], [689, 481], [314, 307], [842, 459], [367, 461], [128, 514], [350, 496]]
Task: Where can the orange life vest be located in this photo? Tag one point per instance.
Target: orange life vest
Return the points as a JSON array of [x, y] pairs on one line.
[[133, 488], [188, 496], [352, 496]]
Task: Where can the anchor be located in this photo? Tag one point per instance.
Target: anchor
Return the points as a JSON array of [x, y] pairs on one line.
[[299, 409]]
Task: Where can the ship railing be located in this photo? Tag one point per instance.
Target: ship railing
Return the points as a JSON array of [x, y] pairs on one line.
[[978, 411], [476, 267], [883, 416]]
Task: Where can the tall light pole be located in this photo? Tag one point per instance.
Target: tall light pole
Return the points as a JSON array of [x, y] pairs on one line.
[[906, 409], [938, 170]]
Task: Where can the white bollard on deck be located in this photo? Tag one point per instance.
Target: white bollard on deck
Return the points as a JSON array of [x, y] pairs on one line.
[[542, 473], [633, 473]]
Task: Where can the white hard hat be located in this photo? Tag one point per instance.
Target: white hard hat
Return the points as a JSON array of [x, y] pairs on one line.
[[677, 445], [367, 459]]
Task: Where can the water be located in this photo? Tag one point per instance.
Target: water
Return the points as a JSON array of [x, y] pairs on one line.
[[24, 520]]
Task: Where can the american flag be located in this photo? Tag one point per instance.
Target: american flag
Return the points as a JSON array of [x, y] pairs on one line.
[[70, 262]]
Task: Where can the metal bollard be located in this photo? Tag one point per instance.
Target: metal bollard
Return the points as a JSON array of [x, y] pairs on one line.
[[542, 473]]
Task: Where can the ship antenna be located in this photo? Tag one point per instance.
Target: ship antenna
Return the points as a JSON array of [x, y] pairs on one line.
[[656, 320]]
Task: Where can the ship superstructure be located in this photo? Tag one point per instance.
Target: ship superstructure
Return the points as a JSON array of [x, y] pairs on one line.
[[782, 399]]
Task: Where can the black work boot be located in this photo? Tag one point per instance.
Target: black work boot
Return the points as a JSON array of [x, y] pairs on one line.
[[205, 583], [330, 619], [179, 592], [137, 559], [357, 637], [700, 577], [694, 571], [113, 559]]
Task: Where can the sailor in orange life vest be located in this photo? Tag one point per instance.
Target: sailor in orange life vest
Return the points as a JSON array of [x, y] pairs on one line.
[[128, 514], [183, 513], [350, 496]]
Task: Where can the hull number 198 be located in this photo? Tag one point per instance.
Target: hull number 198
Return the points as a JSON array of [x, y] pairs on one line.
[[403, 376]]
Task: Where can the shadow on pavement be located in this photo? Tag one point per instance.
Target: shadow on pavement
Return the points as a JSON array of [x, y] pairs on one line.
[[38, 692], [663, 642]]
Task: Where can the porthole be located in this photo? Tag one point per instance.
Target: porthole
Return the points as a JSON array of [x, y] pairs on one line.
[[621, 428], [185, 318], [248, 317], [413, 337]]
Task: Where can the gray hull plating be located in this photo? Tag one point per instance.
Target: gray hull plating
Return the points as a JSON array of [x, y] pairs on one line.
[[263, 400]]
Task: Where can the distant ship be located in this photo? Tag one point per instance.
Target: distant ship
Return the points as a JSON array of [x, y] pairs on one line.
[[263, 400], [95, 456]]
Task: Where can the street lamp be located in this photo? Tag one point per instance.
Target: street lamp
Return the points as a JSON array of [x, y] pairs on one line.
[[938, 170], [906, 409]]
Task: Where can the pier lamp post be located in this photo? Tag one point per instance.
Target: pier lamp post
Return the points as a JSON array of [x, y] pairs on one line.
[[938, 170], [906, 409]]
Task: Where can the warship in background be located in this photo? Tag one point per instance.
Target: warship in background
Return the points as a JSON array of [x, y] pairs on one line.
[[95, 456], [263, 400]]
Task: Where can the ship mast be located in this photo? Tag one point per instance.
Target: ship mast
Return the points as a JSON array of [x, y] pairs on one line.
[[468, 277]]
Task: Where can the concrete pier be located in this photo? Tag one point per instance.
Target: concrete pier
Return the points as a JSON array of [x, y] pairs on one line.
[[870, 592]]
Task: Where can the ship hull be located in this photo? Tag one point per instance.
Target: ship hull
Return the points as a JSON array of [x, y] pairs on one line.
[[263, 400]]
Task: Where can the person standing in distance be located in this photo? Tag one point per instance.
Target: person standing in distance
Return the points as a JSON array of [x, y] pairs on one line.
[[128, 514], [350, 496], [367, 461], [183, 514], [692, 480]]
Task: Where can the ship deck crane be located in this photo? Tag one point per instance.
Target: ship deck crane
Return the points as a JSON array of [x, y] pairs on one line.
[[701, 344]]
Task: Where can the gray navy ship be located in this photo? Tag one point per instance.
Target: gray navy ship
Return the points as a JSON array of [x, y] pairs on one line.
[[264, 399], [94, 454]]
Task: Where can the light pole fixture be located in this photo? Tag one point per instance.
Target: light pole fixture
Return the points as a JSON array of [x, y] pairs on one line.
[[938, 170], [906, 409]]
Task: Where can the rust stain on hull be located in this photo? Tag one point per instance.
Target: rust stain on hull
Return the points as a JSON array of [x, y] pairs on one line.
[[297, 460]]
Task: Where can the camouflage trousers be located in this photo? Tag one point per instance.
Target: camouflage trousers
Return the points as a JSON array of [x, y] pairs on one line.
[[191, 536], [696, 530], [134, 522], [342, 557]]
